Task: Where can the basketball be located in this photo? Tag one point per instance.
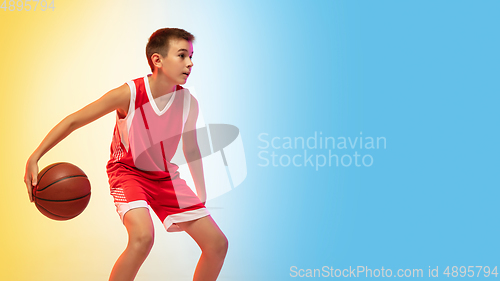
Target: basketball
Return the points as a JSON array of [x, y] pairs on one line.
[[63, 191]]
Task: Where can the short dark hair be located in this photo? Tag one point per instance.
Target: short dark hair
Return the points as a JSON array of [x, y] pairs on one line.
[[160, 39]]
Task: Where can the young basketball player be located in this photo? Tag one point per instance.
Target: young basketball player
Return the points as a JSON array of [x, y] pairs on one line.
[[153, 112]]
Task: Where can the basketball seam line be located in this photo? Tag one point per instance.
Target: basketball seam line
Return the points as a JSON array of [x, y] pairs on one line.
[[49, 170], [68, 177], [69, 200]]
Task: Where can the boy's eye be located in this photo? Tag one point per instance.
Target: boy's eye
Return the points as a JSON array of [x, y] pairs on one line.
[[183, 56]]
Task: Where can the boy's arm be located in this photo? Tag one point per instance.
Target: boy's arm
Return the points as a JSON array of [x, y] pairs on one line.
[[116, 99], [192, 151]]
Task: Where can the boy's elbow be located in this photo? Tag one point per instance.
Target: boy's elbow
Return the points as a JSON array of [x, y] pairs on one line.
[[192, 153], [71, 122]]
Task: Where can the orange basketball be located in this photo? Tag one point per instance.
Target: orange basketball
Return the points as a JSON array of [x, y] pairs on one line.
[[63, 191]]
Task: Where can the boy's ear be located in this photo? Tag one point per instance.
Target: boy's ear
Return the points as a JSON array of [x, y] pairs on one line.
[[156, 59]]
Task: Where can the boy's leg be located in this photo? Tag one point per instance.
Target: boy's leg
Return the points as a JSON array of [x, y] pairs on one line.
[[140, 241], [213, 244]]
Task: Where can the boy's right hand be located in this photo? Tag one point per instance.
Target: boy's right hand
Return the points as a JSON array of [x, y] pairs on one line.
[[30, 177], [116, 99]]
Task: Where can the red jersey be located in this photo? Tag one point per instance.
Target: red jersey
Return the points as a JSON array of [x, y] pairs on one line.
[[148, 137]]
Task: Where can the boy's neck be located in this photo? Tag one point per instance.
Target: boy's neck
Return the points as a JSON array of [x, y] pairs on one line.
[[159, 85]]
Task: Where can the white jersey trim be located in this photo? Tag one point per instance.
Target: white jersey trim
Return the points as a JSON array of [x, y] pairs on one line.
[[123, 208], [183, 217], [125, 123], [152, 100], [187, 106]]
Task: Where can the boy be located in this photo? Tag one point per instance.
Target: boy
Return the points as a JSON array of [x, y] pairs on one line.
[[152, 113]]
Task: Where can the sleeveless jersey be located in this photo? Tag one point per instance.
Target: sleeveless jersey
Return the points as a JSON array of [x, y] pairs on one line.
[[147, 138]]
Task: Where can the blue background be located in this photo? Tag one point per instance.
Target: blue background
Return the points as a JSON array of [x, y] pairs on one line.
[[422, 74]]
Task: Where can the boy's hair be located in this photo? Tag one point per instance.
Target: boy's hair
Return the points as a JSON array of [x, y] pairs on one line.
[[160, 39]]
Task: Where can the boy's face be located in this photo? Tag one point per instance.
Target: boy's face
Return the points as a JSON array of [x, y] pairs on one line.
[[176, 66]]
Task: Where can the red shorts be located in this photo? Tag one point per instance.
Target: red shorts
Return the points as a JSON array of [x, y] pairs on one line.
[[172, 200]]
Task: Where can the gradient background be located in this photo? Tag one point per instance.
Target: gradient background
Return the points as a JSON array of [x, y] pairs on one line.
[[422, 74]]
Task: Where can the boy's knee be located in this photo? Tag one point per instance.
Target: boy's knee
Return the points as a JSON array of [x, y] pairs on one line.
[[142, 241], [219, 247], [224, 243]]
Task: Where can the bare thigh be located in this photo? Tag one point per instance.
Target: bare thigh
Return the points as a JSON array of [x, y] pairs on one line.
[[204, 231], [139, 224]]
